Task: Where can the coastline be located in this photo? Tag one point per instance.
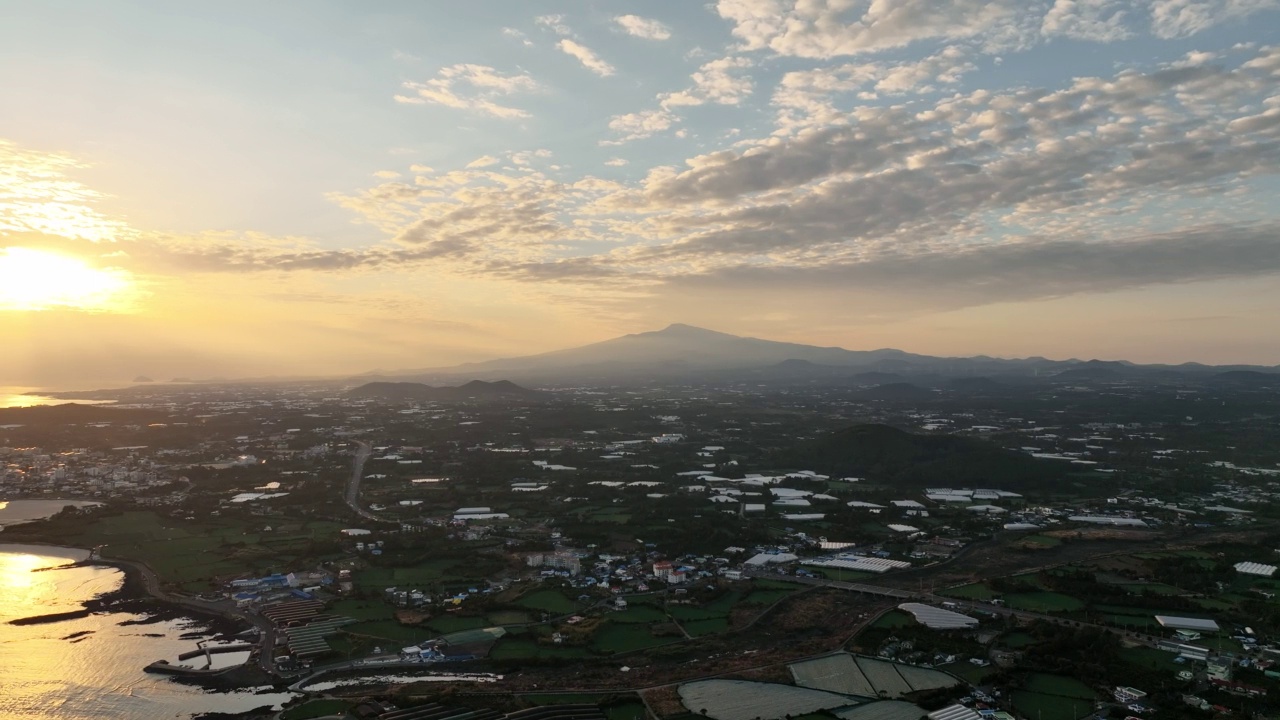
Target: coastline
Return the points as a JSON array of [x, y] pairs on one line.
[[140, 593]]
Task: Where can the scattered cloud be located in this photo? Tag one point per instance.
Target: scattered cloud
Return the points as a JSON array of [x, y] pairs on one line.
[[1094, 20], [615, 162], [643, 27], [586, 56], [518, 35], [483, 161], [1183, 18], [554, 23], [470, 87], [823, 29]]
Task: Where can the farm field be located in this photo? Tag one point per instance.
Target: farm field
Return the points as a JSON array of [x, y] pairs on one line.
[[552, 601], [737, 699], [622, 637], [1043, 602], [973, 591]]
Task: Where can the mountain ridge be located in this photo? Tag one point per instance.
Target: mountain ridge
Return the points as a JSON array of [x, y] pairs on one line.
[[689, 352]]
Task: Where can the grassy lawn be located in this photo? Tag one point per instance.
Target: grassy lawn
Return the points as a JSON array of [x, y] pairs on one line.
[[1017, 640], [894, 619], [1044, 602], [974, 591], [450, 623], [521, 649], [1151, 658], [1040, 706], [698, 628], [616, 638], [552, 601], [638, 614], [1060, 685], [317, 708], [509, 617], [968, 672], [1044, 541]]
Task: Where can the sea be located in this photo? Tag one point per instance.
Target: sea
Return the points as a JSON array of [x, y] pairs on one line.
[[16, 396], [91, 668]]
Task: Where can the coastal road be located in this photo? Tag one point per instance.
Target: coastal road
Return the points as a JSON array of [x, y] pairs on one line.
[[151, 584]]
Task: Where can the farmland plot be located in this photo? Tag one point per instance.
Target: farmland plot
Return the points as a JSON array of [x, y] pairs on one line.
[[737, 699], [925, 679], [883, 710], [834, 673], [884, 677]]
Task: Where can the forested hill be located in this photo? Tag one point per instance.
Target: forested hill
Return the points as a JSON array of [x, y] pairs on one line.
[[886, 455]]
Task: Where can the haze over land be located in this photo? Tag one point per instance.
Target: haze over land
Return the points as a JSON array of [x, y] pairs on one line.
[[328, 188]]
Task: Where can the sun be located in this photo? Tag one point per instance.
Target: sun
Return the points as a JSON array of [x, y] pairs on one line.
[[40, 280]]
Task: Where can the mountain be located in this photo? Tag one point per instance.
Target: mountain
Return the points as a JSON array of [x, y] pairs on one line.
[[474, 390], [687, 353], [889, 456]]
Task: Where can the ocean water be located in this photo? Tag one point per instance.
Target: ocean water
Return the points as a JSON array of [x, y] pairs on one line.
[[91, 668], [14, 512], [13, 396]]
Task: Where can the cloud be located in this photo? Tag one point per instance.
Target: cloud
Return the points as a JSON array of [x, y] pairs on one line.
[[1183, 18], [643, 27], [386, 174], [720, 81], [806, 98], [518, 35], [524, 157], [615, 162], [586, 56], [483, 161], [824, 29], [472, 88], [554, 23], [637, 125], [1094, 20]]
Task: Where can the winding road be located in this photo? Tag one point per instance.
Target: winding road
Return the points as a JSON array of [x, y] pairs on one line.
[[353, 485]]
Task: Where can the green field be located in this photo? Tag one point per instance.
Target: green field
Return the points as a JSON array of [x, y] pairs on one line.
[[552, 601], [1017, 640], [638, 614], [974, 591], [894, 619], [698, 628], [450, 623], [1151, 658], [969, 672], [1049, 707], [1043, 602], [522, 649], [509, 617], [1060, 685], [616, 638]]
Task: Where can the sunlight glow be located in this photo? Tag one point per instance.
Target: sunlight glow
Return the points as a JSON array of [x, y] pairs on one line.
[[39, 280]]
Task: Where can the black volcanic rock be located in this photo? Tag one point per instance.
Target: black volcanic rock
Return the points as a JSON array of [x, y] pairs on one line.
[[415, 392]]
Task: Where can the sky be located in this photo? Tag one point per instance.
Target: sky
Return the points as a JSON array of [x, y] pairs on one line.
[[242, 189]]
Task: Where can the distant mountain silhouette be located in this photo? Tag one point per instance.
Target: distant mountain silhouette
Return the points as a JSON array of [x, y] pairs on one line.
[[686, 352], [887, 455], [474, 390]]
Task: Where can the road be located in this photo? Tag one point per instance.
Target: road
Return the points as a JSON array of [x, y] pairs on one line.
[[223, 608], [353, 484]]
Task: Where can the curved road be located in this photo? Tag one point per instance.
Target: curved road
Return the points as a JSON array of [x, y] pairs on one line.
[[353, 485]]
